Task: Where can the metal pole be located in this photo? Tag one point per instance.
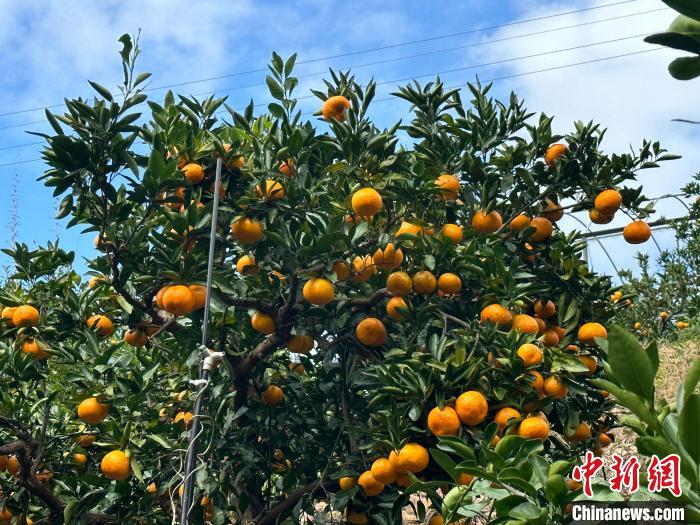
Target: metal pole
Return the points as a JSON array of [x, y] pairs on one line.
[[191, 457]]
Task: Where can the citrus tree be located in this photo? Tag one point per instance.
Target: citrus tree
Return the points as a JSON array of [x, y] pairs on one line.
[[397, 308]]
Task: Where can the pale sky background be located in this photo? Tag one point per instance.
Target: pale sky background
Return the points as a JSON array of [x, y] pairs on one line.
[[49, 49]]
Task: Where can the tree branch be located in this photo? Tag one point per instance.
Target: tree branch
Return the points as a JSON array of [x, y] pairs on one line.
[[285, 506]]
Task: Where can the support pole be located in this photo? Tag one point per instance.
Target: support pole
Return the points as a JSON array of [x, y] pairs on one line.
[[208, 361]]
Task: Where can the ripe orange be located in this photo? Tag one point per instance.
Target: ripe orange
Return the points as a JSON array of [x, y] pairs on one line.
[[553, 153], [607, 202], [582, 432], [263, 323], [85, 440], [544, 310], [318, 291], [159, 296], [185, 417], [179, 300], [597, 217], [541, 325], [550, 338], [287, 168], [486, 223], [334, 107], [589, 331], [33, 348], [520, 222], [530, 354], [152, 488], [341, 269], [589, 362], [102, 324], [300, 344], [366, 202], [272, 396], [424, 282], [552, 211], [115, 465], [13, 465], [247, 230], [408, 228], [635, 232], [399, 283], [364, 268], [200, 295], [465, 479], [453, 232], [194, 173], [543, 229], [604, 440], [496, 314], [411, 458], [369, 484], [450, 283], [443, 421], [538, 381], [371, 332], [664, 315], [137, 338], [561, 332], [392, 308], [449, 184], [554, 387], [533, 428], [383, 471], [471, 408], [389, 258], [8, 313], [272, 191], [346, 483], [403, 480], [526, 324], [25, 315], [79, 460], [437, 519], [91, 411], [504, 415]]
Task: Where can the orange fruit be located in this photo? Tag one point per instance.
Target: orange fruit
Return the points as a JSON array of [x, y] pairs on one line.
[[597, 217], [538, 381], [370, 486], [589, 362], [383, 471], [552, 211], [496, 314], [152, 488], [443, 421], [604, 440], [389, 258], [635, 232], [541, 325], [452, 232], [13, 465], [465, 479], [334, 107], [412, 458], [159, 296], [200, 295], [408, 228], [561, 332], [263, 323], [403, 480], [589, 331], [424, 282], [437, 519], [194, 173], [664, 315], [102, 324], [287, 168], [520, 222], [553, 153], [341, 269], [318, 291], [607, 202], [393, 307], [544, 310], [450, 283], [247, 230], [85, 440], [364, 268], [471, 407], [573, 485], [582, 432], [356, 518], [116, 465], [504, 415], [91, 411], [271, 191], [486, 223], [272, 396], [371, 332], [136, 337], [366, 202], [550, 338], [449, 184], [526, 324], [185, 417], [25, 315], [533, 428], [35, 349], [246, 265], [79, 460], [8, 313], [530, 354], [543, 229], [399, 283], [347, 482], [179, 300], [300, 344], [554, 387]]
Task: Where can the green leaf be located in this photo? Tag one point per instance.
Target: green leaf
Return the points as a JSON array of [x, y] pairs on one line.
[[685, 68], [675, 41], [160, 440], [555, 488], [277, 63], [688, 425], [630, 364], [629, 400], [689, 385], [446, 462], [275, 89], [103, 91], [689, 8], [289, 65]]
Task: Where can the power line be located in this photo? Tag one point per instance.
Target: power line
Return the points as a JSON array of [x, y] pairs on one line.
[[494, 79], [359, 52]]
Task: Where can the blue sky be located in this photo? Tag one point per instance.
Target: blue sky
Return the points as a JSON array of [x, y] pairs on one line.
[[50, 48]]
